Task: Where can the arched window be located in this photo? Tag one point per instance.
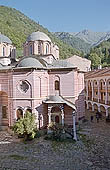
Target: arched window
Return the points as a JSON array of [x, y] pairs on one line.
[[19, 113], [47, 49], [40, 47], [30, 49], [57, 85], [4, 111], [10, 52], [3, 51]]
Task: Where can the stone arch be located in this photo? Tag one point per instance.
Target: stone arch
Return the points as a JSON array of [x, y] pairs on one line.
[[95, 90], [57, 84], [89, 90], [3, 108], [95, 107], [28, 109], [108, 91], [56, 114], [89, 106], [102, 88], [19, 113], [103, 110]]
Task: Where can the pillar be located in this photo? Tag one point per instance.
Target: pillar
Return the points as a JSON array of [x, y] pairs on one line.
[[49, 115], [106, 95], [86, 90], [92, 91], [98, 84], [74, 126], [62, 115], [106, 112]]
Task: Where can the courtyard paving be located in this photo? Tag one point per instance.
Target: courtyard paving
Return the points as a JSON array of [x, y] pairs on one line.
[[90, 152]]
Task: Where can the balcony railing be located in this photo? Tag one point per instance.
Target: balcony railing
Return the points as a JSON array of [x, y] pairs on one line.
[[95, 100], [102, 101]]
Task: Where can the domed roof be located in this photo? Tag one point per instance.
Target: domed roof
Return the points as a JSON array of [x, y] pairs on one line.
[[5, 39], [30, 62], [38, 36]]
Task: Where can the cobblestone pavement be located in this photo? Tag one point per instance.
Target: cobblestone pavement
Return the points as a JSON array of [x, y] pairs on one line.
[[91, 152]]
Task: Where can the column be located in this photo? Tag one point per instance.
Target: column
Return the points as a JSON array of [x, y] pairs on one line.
[[98, 90], [74, 126], [106, 112], [86, 90], [62, 115], [49, 115], [92, 91], [106, 95]]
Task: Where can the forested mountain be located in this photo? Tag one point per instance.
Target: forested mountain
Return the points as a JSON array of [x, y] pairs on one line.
[[17, 27], [75, 42], [90, 37], [100, 55], [83, 40]]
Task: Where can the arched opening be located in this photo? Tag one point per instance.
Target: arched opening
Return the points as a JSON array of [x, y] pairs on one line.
[[40, 47], [109, 112], [102, 91], [47, 48], [89, 90], [57, 85], [30, 50], [90, 106], [95, 87], [29, 110], [19, 113], [56, 114], [4, 51], [95, 107], [3, 108], [108, 91], [103, 111]]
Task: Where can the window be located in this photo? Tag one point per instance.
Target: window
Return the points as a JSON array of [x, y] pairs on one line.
[[23, 86], [57, 85], [10, 52], [96, 93], [47, 49], [3, 51], [96, 83], [30, 50], [4, 111], [39, 47], [104, 93]]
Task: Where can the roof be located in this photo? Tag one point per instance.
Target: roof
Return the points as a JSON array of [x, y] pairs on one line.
[[59, 100], [31, 61], [97, 73], [61, 64], [82, 64], [5, 39], [35, 36]]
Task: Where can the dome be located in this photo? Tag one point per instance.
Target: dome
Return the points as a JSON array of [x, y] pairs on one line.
[[35, 36], [5, 39], [30, 62]]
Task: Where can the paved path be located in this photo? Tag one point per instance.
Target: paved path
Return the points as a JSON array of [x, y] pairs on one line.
[[92, 152]]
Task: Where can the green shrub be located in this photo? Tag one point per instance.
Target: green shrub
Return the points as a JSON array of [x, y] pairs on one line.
[[26, 126]]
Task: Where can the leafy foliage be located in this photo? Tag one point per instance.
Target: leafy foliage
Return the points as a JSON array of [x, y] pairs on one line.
[[26, 126], [17, 27], [100, 54]]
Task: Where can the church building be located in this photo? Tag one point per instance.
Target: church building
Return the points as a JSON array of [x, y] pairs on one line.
[[39, 82]]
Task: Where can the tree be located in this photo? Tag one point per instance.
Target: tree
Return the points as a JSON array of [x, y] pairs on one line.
[[26, 126], [95, 60]]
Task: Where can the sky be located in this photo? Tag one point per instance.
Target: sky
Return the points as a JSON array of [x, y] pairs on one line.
[[66, 15]]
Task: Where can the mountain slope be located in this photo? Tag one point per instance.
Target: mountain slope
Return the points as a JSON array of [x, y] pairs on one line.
[[75, 42], [89, 36], [17, 27], [100, 55]]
